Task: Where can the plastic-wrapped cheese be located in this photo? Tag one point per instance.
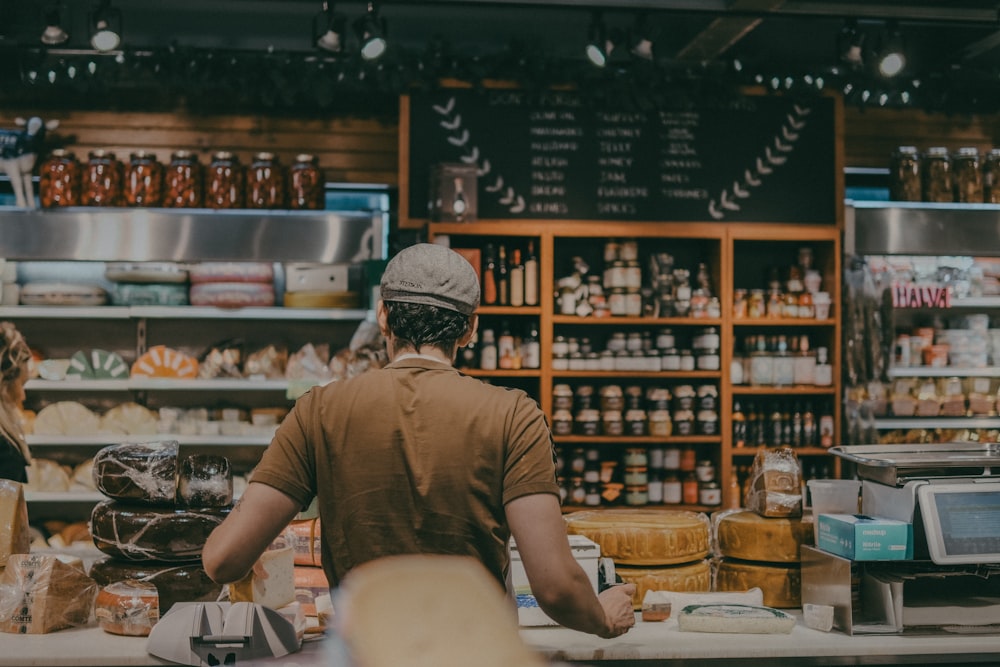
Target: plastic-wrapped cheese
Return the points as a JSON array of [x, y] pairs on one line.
[[738, 618], [749, 536], [695, 577], [174, 582], [137, 532], [644, 536], [145, 472], [205, 480], [305, 539], [128, 607], [15, 535], [775, 485], [780, 582], [43, 593]]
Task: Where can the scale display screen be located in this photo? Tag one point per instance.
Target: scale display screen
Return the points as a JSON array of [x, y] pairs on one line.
[[962, 522]]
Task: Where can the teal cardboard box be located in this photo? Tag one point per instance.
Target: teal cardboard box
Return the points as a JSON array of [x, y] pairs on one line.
[[861, 537]]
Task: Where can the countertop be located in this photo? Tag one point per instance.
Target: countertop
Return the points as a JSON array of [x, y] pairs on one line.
[[647, 643]]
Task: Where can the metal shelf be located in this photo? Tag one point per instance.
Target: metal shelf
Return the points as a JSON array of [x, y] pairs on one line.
[[184, 313], [944, 371], [888, 424]]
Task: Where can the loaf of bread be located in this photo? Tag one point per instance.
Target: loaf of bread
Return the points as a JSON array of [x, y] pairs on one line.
[[41, 593], [15, 535], [694, 577], [174, 582], [128, 607], [139, 532], [749, 536], [644, 536], [775, 485], [781, 583]]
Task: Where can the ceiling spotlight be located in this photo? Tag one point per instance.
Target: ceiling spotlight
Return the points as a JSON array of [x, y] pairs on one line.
[[891, 58], [371, 32], [106, 27], [328, 29], [850, 44], [599, 44], [54, 33]]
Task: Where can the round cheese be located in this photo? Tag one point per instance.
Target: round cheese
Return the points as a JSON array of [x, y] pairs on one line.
[[780, 583], [128, 607], [694, 577], [130, 419], [175, 582], [66, 418], [136, 532], [161, 361], [749, 536], [143, 471], [644, 536]]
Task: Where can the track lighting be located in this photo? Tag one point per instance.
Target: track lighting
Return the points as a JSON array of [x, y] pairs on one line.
[[891, 57], [643, 38], [850, 44], [371, 33], [106, 26], [328, 29], [54, 33], [599, 45]]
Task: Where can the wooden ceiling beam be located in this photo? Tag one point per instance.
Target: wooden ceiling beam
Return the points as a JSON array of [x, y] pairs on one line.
[[725, 31]]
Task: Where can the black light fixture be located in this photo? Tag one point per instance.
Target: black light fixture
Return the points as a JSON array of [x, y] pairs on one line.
[[54, 33], [850, 44], [106, 27], [599, 45], [643, 37], [328, 29], [891, 59], [371, 30]]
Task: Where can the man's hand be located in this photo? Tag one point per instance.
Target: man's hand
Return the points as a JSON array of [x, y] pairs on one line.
[[617, 604]]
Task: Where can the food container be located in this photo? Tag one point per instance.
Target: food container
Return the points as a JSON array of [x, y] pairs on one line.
[[936, 175], [306, 183], [102, 180], [226, 186], [183, 181], [265, 182], [904, 174], [59, 180], [143, 180], [967, 176], [991, 177]]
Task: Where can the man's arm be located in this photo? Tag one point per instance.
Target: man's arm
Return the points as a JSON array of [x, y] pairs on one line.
[[557, 581], [259, 516]]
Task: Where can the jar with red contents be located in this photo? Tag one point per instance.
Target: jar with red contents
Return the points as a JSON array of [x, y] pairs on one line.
[[143, 180], [59, 180], [265, 182], [102, 180], [227, 184], [183, 181], [306, 184]]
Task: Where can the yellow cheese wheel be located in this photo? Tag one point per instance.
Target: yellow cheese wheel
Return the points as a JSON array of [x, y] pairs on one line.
[[749, 536], [644, 536], [691, 578], [781, 584]]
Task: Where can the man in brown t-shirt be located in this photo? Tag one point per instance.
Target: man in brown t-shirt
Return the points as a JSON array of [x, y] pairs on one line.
[[416, 458]]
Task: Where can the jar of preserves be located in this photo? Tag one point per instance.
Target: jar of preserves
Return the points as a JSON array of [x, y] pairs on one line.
[[967, 176], [143, 180], [226, 185], [637, 495], [660, 424], [756, 307], [705, 470], [709, 493], [689, 489], [306, 184], [936, 175], [672, 489], [562, 422], [635, 422], [102, 180], [588, 422], [584, 397], [265, 182], [183, 181], [562, 397], [636, 457], [991, 177], [612, 397], [904, 174], [611, 422], [59, 180]]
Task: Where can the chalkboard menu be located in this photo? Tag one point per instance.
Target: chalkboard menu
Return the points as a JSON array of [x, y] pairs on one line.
[[552, 155]]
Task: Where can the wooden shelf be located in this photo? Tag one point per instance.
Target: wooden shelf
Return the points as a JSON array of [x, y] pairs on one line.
[[499, 373], [512, 311], [799, 451], [637, 439], [567, 509], [647, 321], [810, 390], [660, 375], [783, 322]]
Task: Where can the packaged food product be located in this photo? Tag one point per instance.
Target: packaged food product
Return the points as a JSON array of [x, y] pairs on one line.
[[265, 182], [174, 582], [143, 180], [144, 472], [59, 180], [42, 593], [128, 607], [774, 488], [145, 533], [306, 183], [904, 174], [183, 181], [102, 180], [226, 186]]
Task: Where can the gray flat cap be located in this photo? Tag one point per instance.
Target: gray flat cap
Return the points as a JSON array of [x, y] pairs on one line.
[[431, 275]]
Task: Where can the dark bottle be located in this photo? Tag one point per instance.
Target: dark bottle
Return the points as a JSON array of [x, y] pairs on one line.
[[809, 435], [531, 276], [739, 426], [503, 279], [490, 277], [775, 427], [797, 440], [468, 357]]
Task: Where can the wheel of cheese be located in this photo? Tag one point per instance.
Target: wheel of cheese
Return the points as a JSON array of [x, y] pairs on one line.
[[128, 608], [130, 419], [46, 475], [142, 471], [314, 299], [66, 418], [62, 294], [161, 361], [644, 536], [175, 582], [138, 532], [232, 295], [96, 365], [781, 583], [692, 578], [749, 536], [231, 272]]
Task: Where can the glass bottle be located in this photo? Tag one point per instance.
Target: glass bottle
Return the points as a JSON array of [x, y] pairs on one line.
[[488, 351], [904, 174], [967, 176], [102, 180], [823, 373], [531, 276], [306, 184], [59, 180], [227, 185], [503, 279], [805, 363], [265, 182], [739, 426], [991, 177], [936, 175], [183, 181], [490, 294], [143, 180]]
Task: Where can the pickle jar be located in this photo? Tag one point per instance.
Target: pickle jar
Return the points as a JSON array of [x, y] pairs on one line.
[[143, 180], [102, 180], [967, 176], [265, 182], [226, 185], [991, 177], [59, 180], [183, 181], [936, 175], [306, 184], [904, 174]]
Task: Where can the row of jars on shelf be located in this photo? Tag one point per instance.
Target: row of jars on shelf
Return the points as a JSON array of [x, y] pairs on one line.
[[182, 183], [937, 175], [634, 411], [780, 361]]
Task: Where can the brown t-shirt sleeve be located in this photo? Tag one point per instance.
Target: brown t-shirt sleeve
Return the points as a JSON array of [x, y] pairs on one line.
[[530, 464], [288, 463]]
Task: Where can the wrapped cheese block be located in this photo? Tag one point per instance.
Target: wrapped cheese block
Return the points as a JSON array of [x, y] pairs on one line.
[[145, 472], [130, 419], [781, 583], [128, 607], [276, 589], [127, 294], [174, 582], [66, 418], [231, 272], [694, 577], [43, 593], [775, 485], [161, 361], [205, 481], [232, 295], [304, 538], [749, 536], [15, 536], [138, 532], [738, 618], [644, 536]]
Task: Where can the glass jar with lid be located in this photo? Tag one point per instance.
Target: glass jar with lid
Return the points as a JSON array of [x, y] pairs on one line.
[[59, 180], [967, 176], [102, 180], [265, 182], [991, 177], [904, 174], [306, 184], [143, 180], [227, 185], [183, 181], [936, 175]]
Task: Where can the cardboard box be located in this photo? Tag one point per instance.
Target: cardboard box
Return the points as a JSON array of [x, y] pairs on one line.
[[861, 537], [587, 554]]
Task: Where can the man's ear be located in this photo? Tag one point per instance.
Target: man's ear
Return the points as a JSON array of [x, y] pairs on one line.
[[473, 328], [382, 317]]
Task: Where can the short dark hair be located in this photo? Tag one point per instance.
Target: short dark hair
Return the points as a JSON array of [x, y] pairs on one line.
[[415, 325]]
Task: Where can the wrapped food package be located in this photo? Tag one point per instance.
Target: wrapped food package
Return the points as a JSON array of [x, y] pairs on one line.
[[96, 365], [43, 593], [644, 536], [161, 361], [128, 607], [205, 480], [222, 360], [145, 472], [136, 532], [268, 363], [775, 485], [174, 582], [303, 537], [274, 590], [15, 536]]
